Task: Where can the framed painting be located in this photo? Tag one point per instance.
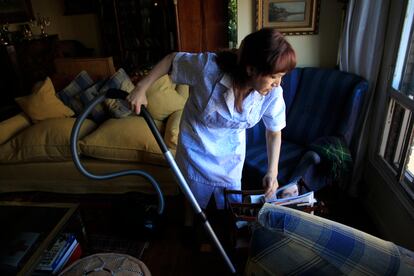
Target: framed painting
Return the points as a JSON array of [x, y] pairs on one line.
[[290, 17], [13, 11]]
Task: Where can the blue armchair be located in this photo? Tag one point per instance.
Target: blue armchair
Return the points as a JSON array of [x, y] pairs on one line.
[[319, 103]]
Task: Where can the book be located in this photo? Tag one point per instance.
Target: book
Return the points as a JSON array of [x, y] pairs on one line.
[[13, 251], [76, 255], [65, 257], [54, 254]]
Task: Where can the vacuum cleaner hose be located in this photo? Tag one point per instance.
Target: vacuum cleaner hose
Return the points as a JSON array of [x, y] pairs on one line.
[[114, 94]]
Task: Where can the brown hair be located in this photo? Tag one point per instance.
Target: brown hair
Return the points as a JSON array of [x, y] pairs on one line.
[[266, 50]]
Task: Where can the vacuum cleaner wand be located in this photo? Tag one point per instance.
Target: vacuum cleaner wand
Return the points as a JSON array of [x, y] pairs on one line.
[[184, 186]]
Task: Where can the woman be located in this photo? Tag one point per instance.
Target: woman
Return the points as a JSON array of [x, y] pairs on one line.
[[229, 92]]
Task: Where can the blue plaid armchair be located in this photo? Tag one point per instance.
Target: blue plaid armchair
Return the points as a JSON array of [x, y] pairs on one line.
[[319, 103], [292, 242]]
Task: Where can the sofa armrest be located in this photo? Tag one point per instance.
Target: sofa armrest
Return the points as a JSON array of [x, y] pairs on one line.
[[309, 159], [12, 126], [319, 247]]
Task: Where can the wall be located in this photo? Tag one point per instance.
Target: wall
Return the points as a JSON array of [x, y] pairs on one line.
[[84, 27], [312, 50]]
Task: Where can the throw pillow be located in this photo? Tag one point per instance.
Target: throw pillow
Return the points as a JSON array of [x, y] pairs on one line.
[[43, 104], [163, 99], [118, 108], [172, 129], [48, 140], [98, 113], [70, 94]]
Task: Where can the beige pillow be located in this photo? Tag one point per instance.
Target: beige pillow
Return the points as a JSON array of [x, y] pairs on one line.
[[183, 90], [126, 139], [12, 126], [163, 99], [43, 103], [48, 140], [172, 129]]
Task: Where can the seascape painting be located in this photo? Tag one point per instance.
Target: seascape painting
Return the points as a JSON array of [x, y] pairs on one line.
[[287, 11]]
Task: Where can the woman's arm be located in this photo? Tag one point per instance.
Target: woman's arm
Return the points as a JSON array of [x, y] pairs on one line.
[[273, 143], [138, 96]]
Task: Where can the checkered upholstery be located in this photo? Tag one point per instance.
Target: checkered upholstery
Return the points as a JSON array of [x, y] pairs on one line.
[[291, 242], [319, 102], [70, 95]]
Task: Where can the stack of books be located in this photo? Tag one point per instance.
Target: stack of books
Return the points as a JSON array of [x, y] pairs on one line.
[[64, 251]]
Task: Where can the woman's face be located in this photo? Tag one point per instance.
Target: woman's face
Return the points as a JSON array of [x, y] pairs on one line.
[[265, 83]]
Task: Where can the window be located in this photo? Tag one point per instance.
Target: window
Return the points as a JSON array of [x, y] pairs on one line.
[[397, 145]]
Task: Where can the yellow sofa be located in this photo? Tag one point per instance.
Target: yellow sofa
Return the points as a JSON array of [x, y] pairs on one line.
[[35, 155]]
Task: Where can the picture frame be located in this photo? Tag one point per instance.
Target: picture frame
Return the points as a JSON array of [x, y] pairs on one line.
[[14, 11], [290, 17]]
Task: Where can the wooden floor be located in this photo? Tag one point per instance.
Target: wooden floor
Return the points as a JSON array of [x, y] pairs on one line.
[[171, 251]]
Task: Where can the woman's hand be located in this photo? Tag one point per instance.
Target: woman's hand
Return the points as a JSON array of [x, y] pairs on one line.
[[270, 185], [137, 98]]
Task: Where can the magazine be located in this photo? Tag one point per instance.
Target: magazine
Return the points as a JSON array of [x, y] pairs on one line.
[[289, 194]]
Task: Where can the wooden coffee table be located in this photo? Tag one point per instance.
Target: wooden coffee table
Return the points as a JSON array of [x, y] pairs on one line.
[[46, 219]]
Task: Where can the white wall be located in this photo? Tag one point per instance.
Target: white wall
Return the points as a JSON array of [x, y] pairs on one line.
[[312, 50]]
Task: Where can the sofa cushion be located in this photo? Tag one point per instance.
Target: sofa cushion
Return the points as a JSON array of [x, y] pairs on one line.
[[320, 105], [48, 140], [118, 108], [12, 126], [98, 114], [43, 103], [172, 129], [70, 94], [126, 139], [163, 99], [255, 166]]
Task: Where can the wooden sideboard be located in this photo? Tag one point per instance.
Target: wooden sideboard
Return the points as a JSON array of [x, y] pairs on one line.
[[26, 62]]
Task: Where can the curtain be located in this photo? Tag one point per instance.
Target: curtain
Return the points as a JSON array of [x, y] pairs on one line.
[[361, 51]]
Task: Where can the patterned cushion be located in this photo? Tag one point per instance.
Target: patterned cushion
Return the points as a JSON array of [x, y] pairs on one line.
[[70, 95], [98, 113], [320, 247], [118, 108]]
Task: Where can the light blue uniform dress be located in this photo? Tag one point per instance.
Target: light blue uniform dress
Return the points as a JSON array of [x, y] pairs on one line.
[[212, 141]]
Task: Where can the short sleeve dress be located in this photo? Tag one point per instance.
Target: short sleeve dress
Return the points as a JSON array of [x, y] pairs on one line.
[[212, 141]]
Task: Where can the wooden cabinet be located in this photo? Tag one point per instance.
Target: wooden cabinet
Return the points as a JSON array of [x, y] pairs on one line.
[[202, 25], [24, 63], [137, 33]]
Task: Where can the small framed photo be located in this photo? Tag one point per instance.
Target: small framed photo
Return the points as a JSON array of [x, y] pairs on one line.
[[290, 17]]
